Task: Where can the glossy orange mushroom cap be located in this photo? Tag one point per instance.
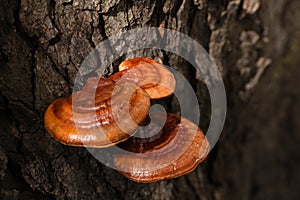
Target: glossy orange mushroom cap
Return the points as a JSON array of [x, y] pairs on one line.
[[101, 114], [148, 74], [175, 150]]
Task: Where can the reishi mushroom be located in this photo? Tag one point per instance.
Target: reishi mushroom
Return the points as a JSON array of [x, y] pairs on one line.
[[175, 150], [148, 74], [92, 121], [108, 111]]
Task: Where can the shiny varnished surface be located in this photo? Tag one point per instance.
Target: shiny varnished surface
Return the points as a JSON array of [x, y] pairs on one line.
[[102, 114], [174, 151], [148, 74]]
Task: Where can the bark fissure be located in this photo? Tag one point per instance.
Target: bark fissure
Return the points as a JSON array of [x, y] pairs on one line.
[[31, 41], [52, 16]]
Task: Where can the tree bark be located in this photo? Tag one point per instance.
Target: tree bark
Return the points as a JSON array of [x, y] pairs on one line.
[[254, 43]]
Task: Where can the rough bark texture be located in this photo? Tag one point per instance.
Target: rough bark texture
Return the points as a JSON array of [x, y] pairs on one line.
[[255, 45]]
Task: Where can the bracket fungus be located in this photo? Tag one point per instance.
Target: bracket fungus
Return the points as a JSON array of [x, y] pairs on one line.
[[109, 111], [97, 122], [173, 151], [148, 74]]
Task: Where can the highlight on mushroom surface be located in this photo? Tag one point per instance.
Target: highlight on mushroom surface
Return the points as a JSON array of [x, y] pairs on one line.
[[148, 74], [175, 150], [99, 115]]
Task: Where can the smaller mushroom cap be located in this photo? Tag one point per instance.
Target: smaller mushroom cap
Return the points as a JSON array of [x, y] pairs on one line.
[[148, 74], [99, 115], [175, 150]]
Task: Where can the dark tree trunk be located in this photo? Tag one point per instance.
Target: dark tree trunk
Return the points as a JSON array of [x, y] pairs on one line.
[[256, 45]]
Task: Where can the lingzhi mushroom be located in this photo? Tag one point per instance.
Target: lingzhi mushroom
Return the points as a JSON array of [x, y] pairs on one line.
[[109, 111], [148, 74], [172, 151], [92, 121]]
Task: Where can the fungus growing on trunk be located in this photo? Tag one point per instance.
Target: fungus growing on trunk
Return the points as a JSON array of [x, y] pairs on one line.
[[173, 151], [148, 74], [96, 116]]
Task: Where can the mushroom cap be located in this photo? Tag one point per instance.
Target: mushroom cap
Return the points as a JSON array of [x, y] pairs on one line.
[[100, 115], [148, 74], [175, 150]]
